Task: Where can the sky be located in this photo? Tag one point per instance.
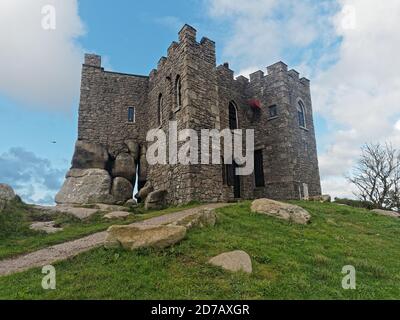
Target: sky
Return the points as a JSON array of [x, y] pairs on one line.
[[347, 48]]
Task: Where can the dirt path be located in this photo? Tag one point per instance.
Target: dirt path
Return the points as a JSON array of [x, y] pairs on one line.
[[70, 249]]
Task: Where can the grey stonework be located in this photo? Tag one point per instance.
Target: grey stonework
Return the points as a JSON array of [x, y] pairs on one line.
[[289, 152]]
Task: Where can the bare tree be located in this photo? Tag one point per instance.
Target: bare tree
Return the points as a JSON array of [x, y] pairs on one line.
[[377, 175]]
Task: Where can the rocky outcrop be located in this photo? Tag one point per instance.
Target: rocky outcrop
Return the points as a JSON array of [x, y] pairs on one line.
[[281, 210], [6, 194], [144, 236], [89, 156], [233, 261], [96, 177], [85, 186], [156, 200], [122, 190], [387, 213], [125, 167]]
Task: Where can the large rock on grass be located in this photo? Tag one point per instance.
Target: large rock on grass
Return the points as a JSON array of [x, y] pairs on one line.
[[233, 261], [6, 194], [85, 187], [281, 210], [122, 190], [89, 155], [144, 236], [125, 167], [156, 200], [47, 226]]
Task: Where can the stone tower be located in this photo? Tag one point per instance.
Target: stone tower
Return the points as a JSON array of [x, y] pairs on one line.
[[117, 110]]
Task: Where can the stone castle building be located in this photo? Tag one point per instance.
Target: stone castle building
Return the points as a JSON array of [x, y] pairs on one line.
[[117, 110]]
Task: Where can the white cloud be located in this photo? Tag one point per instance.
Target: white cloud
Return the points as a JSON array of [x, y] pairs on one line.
[[397, 125], [338, 187], [35, 179], [40, 67], [262, 30], [348, 48], [361, 92]]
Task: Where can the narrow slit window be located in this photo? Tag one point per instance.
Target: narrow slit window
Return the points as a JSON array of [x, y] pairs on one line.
[[131, 114], [160, 109], [178, 88]]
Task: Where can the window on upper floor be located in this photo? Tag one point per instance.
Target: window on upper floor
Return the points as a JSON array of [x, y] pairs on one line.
[[233, 118], [131, 114], [178, 92], [273, 111], [301, 114]]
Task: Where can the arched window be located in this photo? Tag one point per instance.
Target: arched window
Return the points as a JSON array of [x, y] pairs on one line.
[[178, 92], [160, 108], [233, 118], [301, 114]]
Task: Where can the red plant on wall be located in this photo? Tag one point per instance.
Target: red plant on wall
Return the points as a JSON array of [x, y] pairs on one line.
[[255, 104], [255, 109]]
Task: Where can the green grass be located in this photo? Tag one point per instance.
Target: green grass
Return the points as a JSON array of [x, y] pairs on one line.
[[289, 262], [16, 238]]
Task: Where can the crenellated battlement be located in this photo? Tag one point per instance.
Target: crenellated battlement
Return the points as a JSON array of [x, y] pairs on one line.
[[171, 49], [161, 62], [256, 76], [187, 34], [277, 68], [294, 74], [92, 60], [225, 72]]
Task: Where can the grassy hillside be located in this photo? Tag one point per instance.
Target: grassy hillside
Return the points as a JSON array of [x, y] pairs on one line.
[[289, 262], [17, 238]]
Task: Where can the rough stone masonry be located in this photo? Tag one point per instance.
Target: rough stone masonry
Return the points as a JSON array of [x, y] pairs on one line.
[[117, 110]]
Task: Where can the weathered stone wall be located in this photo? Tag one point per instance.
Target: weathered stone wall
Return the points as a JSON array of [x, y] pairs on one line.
[[290, 155], [171, 177], [202, 100], [289, 152], [104, 102], [231, 90]]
